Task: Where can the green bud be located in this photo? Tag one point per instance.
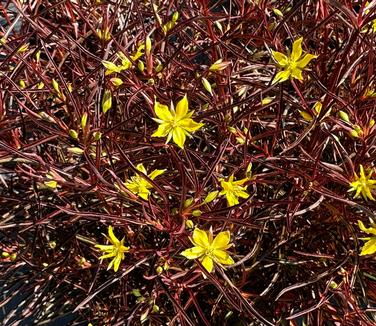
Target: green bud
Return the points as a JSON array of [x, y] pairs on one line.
[[354, 133], [136, 293], [106, 101], [333, 285], [317, 107], [73, 134], [75, 150], [13, 256], [155, 309], [84, 120], [207, 85], [267, 100], [116, 81], [159, 68], [277, 12], [305, 115], [211, 196], [97, 135], [189, 224], [188, 202], [358, 129], [140, 66], [196, 213], [175, 17], [148, 45], [51, 184], [344, 116]]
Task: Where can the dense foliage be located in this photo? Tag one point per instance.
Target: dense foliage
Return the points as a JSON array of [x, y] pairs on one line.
[[203, 149]]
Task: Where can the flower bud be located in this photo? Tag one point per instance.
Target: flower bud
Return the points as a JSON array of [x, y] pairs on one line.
[[148, 45], [344, 116], [73, 134], [84, 120], [218, 65], [116, 81], [211, 196], [189, 224], [306, 116], [75, 150], [207, 85], [175, 16], [106, 101], [196, 213]]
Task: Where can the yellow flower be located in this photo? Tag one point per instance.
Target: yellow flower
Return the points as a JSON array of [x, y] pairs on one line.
[[115, 250], [138, 185], [233, 190], [209, 251], [175, 124], [293, 64], [369, 247], [363, 184]]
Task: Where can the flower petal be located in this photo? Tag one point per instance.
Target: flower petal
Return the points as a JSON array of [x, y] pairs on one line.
[[200, 238], [231, 199], [162, 111], [182, 108], [297, 73], [222, 257], [297, 49], [144, 194], [193, 253], [140, 167], [281, 76], [371, 230], [207, 262], [222, 240], [117, 262], [104, 247], [369, 247], [362, 174], [242, 194], [162, 131], [110, 264], [305, 61], [111, 234], [156, 173], [280, 58], [240, 182], [179, 136], [110, 255], [190, 125]]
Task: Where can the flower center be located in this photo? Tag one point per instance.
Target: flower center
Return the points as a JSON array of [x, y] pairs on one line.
[[292, 64], [209, 251]]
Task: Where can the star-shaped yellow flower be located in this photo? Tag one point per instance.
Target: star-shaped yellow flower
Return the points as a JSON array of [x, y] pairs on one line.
[[293, 64], [209, 251], [363, 185], [175, 124], [115, 250], [369, 247], [233, 190], [138, 185]]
